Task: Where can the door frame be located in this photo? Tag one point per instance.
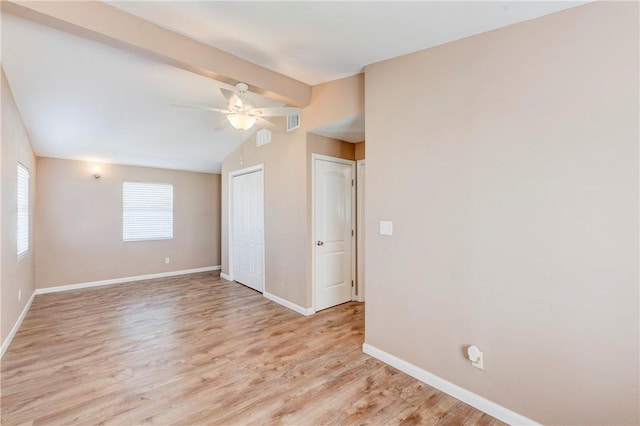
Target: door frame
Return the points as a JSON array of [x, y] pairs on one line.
[[351, 163], [360, 188], [232, 175]]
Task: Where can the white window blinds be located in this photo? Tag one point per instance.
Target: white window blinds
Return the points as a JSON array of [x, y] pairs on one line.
[[23, 209], [147, 211]]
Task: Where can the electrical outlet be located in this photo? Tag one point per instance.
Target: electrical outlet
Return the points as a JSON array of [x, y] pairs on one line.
[[479, 362], [167, 260], [476, 357], [19, 295]]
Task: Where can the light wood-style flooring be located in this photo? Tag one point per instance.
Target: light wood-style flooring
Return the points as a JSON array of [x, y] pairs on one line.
[[201, 350]]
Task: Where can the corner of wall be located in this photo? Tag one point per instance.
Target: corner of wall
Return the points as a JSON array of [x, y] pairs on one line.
[[17, 276]]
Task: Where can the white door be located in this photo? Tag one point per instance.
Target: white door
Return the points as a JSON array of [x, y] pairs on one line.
[[333, 232], [248, 229]]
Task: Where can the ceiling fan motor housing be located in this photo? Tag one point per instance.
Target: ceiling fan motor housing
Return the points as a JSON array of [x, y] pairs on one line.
[[242, 87]]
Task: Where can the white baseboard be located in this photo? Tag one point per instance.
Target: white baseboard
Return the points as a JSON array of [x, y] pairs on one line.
[[299, 309], [468, 397], [226, 277], [16, 326], [124, 280]]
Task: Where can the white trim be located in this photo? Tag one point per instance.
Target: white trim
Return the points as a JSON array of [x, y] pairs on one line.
[[333, 159], [351, 163], [360, 182], [16, 326], [299, 309], [247, 170], [124, 280], [235, 173], [466, 396]]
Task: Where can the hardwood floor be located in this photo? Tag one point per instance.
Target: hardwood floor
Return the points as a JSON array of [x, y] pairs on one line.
[[201, 350]]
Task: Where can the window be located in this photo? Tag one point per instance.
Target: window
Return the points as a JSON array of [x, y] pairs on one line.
[[23, 209], [147, 211]]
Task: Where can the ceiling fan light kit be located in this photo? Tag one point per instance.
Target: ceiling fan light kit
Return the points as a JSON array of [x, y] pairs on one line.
[[242, 121]]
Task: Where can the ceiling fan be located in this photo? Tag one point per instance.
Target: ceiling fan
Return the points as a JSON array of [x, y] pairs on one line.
[[242, 114]]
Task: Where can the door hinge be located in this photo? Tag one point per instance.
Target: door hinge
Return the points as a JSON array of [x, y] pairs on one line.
[[353, 232], [351, 283], [352, 182]]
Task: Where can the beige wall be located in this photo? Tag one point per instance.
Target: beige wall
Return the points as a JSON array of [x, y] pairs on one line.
[[284, 215], [322, 145], [15, 274], [287, 250], [79, 223], [512, 181]]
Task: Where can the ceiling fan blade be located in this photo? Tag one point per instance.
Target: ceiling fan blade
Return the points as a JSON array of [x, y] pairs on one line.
[[275, 111], [232, 98], [266, 124], [223, 111], [223, 125], [227, 94]]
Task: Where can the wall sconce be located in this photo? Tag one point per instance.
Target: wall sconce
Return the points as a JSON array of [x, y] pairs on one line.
[[96, 172]]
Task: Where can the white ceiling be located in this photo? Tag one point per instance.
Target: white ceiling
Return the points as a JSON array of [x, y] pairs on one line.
[[319, 41], [84, 100], [349, 129]]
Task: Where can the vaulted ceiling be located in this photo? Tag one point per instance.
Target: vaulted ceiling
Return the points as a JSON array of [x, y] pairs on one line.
[[83, 99]]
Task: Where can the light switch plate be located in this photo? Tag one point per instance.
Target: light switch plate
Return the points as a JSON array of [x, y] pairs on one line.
[[386, 227]]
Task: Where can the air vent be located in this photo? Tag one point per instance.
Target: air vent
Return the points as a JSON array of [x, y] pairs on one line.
[[293, 122], [263, 137]]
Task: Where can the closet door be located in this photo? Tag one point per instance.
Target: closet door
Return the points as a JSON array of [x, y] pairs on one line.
[[248, 229]]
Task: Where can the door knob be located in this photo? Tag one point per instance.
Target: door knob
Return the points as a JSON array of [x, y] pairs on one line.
[[320, 243]]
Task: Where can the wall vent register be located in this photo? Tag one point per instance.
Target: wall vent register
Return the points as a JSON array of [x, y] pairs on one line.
[[263, 137], [293, 122]]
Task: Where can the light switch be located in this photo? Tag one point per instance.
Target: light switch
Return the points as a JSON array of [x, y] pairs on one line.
[[386, 227]]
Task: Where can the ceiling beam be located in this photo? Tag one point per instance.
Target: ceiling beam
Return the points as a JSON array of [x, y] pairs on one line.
[[103, 23]]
